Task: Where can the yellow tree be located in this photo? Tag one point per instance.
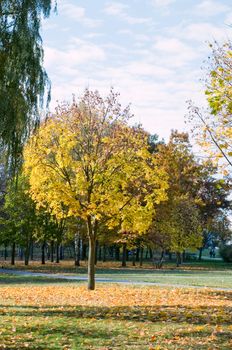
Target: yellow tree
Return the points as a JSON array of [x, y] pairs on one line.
[[176, 225], [86, 162], [213, 126]]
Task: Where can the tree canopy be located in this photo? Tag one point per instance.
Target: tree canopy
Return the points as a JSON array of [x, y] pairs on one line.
[[23, 80], [87, 162], [213, 126]]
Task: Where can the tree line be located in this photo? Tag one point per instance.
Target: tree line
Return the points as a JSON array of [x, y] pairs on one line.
[[85, 172], [88, 174]]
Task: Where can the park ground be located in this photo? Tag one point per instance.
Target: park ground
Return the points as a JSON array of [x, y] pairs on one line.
[[53, 313]]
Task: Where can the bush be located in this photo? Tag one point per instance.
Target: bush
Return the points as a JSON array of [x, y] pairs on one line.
[[226, 253]]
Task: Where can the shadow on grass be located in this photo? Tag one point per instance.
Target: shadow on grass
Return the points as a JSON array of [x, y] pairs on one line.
[[176, 314], [12, 279], [56, 334]]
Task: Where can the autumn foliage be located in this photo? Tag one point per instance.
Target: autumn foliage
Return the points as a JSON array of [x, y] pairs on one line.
[[86, 162]]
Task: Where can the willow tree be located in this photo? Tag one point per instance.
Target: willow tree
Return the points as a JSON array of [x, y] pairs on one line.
[[87, 162], [23, 80]]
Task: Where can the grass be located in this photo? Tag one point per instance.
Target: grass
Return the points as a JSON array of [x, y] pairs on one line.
[[7, 279], [206, 274], [38, 314], [218, 279]]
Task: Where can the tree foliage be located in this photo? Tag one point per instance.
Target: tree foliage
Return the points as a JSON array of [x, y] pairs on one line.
[[23, 80], [213, 127], [18, 220], [86, 162]]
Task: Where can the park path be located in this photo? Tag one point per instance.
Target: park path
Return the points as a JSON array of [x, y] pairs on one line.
[[104, 280]]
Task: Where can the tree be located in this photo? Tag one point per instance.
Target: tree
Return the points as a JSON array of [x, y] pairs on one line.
[[178, 223], [186, 229], [19, 219], [213, 126], [221, 229], [23, 80], [21, 223], [86, 162], [195, 184], [213, 203]]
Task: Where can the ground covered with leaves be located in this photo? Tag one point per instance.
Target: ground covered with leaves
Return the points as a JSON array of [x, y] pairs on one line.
[[67, 316]]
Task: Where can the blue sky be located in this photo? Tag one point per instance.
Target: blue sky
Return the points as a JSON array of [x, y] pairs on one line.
[[151, 51]]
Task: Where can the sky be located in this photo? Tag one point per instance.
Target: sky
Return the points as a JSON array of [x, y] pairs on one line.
[[154, 52]]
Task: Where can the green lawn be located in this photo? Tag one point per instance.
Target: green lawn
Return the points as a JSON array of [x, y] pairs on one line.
[[221, 279], [29, 329], [206, 274], [43, 313]]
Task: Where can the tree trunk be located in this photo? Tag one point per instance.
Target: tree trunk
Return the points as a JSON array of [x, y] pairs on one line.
[[184, 256], [146, 256], [141, 257], [178, 259], [43, 253], [57, 253], [200, 254], [27, 254], [5, 252], [96, 251], [127, 255], [77, 248], [84, 249], [13, 254], [92, 234], [124, 255], [21, 253], [104, 253], [61, 252], [133, 257], [161, 260], [100, 254], [32, 250], [153, 257], [91, 264], [137, 254], [117, 253], [52, 251]]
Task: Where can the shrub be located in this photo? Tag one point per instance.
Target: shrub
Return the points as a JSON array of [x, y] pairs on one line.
[[226, 253]]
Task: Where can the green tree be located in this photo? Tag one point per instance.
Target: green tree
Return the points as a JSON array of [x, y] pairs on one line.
[[23, 80], [19, 219]]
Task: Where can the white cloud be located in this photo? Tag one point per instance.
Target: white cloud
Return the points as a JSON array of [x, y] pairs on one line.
[[228, 19], [157, 91], [93, 35], [79, 52], [210, 8], [120, 10], [170, 45], [162, 3], [173, 52], [197, 34], [78, 14], [205, 31], [115, 8], [154, 67]]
